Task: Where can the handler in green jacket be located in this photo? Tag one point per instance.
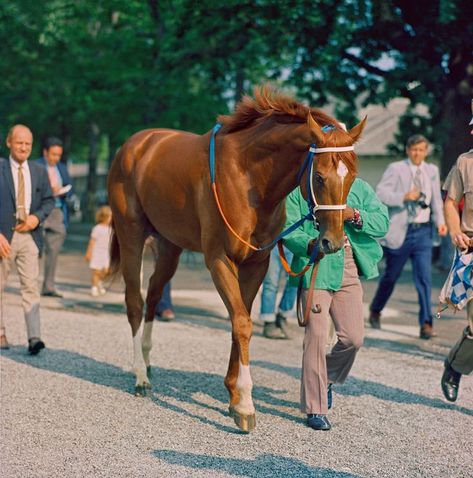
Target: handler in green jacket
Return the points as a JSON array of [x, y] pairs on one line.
[[338, 291]]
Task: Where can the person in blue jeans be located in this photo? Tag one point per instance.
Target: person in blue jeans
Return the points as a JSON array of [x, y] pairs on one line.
[[411, 191], [275, 322], [164, 309]]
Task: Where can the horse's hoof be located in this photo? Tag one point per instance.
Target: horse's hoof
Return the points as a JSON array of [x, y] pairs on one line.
[[148, 371], [244, 422], [141, 390]]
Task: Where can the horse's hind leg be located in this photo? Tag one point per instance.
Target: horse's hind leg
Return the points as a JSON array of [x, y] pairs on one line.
[[131, 233], [166, 261]]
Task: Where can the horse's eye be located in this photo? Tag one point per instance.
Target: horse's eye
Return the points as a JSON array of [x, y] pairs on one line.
[[318, 179]]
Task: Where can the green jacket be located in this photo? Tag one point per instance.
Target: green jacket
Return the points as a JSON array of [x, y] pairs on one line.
[[366, 250]]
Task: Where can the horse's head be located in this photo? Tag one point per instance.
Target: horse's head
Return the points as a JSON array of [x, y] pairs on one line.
[[333, 171]]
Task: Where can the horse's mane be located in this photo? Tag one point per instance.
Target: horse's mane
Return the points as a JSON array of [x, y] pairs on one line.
[[269, 102]]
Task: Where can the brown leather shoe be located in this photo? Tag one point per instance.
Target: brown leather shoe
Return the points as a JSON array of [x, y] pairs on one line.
[[4, 345], [375, 320], [427, 332], [272, 331], [166, 315], [281, 322]]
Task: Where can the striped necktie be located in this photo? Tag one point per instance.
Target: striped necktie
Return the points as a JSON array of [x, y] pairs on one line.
[[21, 209], [418, 179]]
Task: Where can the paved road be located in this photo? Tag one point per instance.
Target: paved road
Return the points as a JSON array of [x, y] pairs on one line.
[[70, 412]]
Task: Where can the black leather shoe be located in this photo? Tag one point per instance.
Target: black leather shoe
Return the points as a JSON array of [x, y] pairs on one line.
[[52, 293], [35, 346], [318, 422], [329, 396], [450, 382], [374, 320]]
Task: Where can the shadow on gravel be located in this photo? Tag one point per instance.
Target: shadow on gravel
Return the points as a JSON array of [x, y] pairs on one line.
[[94, 306], [172, 389], [187, 386], [262, 466], [74, 365], [357, 387], [405, 348]]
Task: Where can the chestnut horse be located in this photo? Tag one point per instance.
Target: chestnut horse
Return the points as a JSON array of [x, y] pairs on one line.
[[159, 183]]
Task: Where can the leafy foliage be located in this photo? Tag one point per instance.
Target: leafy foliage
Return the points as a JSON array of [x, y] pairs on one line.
[[109, 68]]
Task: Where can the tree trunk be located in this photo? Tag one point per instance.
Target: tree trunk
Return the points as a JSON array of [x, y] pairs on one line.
[[94, 134], [239, 84], [66, 140], [456, 115], [112, 150]]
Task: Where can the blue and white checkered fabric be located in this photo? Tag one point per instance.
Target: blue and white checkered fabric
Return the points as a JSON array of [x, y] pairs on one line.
[[458, 288]]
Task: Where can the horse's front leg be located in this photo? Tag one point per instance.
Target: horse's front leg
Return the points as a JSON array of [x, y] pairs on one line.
[[238, 380]]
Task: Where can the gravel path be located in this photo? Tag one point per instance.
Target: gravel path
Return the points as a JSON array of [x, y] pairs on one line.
[[70, 412]]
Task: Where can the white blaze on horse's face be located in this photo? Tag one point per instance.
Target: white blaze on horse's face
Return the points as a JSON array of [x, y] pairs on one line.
[[342, 170]]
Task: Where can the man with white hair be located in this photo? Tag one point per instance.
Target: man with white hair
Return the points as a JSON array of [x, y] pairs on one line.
[[26, 200], [459, 184]]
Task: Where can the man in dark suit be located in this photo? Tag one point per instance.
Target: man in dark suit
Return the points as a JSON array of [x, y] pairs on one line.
[[26, 200], [55, 225]]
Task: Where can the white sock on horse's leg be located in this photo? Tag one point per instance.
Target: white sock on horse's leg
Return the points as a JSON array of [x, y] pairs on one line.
[[139, 366], [244, 386], [147, 341]]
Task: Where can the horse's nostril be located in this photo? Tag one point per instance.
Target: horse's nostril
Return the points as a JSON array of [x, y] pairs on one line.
[[326, 245]]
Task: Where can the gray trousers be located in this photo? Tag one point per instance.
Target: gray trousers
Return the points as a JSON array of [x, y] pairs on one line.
[[25, 254], [54, 236], [345, 308], [461, 355]]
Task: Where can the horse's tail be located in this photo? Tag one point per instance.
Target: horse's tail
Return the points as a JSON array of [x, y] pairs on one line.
[[114, 268]]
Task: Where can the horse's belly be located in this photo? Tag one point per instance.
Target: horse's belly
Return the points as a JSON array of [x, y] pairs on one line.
[[176, 226]]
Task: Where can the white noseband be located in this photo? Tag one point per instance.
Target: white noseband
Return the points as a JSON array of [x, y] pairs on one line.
[[341, 171]]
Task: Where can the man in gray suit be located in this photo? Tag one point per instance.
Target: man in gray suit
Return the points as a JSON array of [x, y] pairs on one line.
[[25, 201], [411, 190], [56, 224]]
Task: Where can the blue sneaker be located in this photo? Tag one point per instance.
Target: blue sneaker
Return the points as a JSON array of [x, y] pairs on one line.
[[329, 396], [318, 422]]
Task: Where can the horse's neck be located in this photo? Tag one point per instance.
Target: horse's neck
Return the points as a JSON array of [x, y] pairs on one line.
[[272, 160]]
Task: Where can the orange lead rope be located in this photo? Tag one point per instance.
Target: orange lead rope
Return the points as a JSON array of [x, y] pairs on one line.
[[303, 319], [214, 189]]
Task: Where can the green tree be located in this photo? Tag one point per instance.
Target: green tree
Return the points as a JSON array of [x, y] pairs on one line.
[[383, 49]]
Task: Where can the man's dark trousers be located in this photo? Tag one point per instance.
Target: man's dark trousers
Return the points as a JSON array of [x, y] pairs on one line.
[[418, 247], [54, 236]]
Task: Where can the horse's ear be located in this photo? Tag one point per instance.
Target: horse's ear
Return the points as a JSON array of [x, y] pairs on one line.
[[356, 131], [315, 128]]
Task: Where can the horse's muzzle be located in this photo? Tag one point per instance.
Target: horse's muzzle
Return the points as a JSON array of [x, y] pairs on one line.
[[329, 247]]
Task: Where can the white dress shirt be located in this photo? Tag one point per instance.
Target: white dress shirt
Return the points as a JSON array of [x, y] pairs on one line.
[[27, 178]]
